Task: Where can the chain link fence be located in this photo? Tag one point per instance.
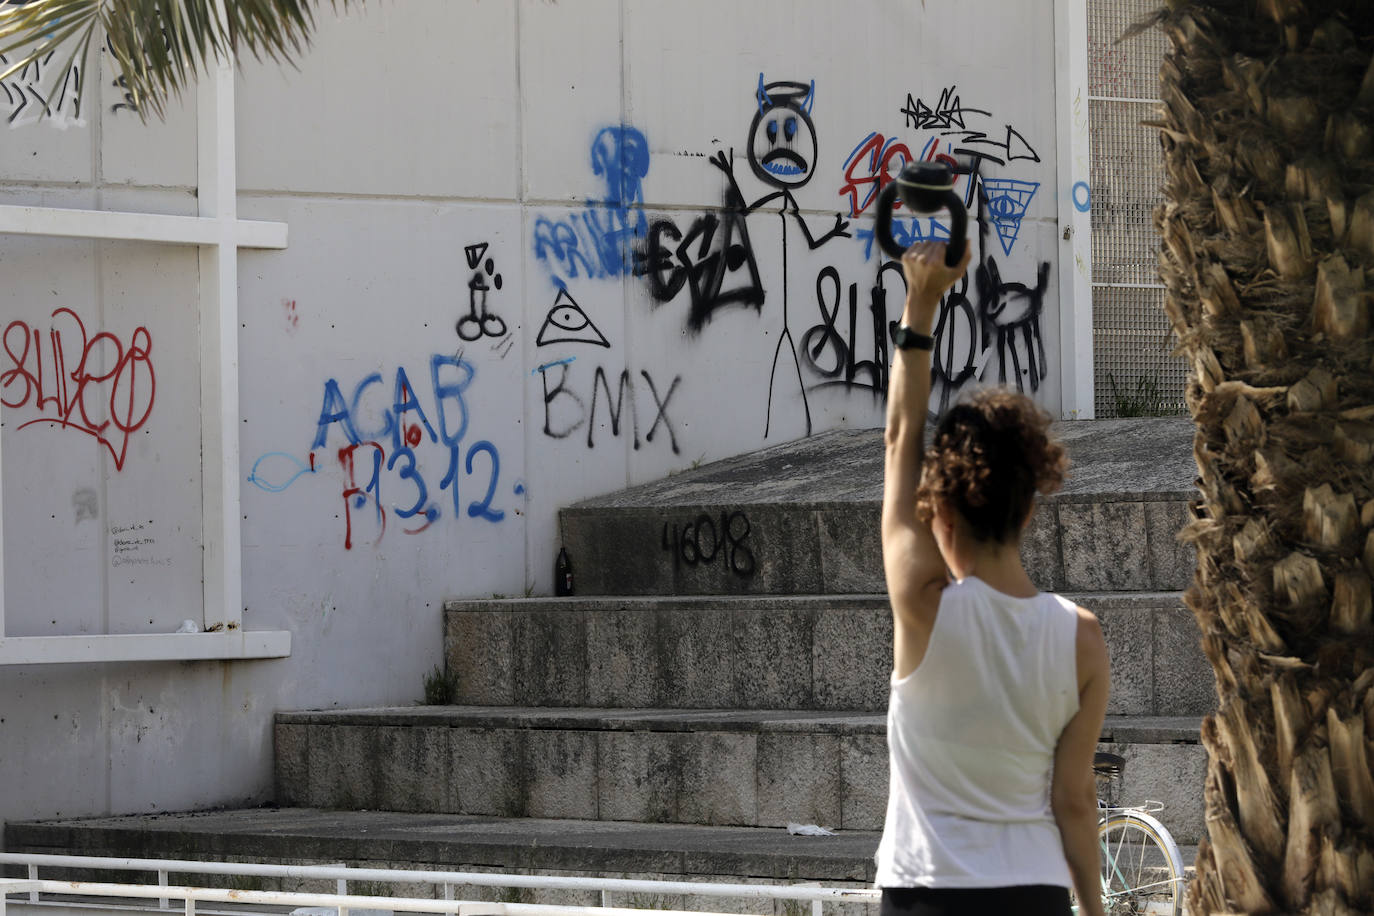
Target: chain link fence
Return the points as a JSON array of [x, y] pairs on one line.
[[1134, 371]]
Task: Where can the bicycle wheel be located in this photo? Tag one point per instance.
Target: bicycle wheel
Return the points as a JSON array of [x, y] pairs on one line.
[[1141, 868]]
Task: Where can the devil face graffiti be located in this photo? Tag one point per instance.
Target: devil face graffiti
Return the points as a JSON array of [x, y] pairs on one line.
[[782, 139]]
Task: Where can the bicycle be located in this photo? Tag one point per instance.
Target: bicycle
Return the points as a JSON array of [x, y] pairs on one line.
[[1142, 872]]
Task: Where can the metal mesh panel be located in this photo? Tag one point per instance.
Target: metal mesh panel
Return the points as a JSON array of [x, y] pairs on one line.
[[1127, 176], [1134, 373], [1130, 68]]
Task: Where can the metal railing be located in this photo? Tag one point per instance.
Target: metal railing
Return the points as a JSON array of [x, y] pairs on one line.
[[447, 881]]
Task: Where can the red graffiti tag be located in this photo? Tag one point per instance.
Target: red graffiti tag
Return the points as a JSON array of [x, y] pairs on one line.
[[356, 497], [109, 405], [873, 158]]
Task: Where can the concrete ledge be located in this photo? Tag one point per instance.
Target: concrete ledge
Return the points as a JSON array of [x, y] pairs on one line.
[[718, 767], [235, 645], [306, 836], [1087, 542], [1145, 458], [646, 720], [454, 841], [1122, 729], [1152, 729], [789, 652], [803, 518]]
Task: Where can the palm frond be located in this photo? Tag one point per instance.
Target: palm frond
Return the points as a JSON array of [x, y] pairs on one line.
[[158, 46]]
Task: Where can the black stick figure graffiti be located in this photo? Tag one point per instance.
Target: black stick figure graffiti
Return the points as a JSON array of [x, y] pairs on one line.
[[782, 154]]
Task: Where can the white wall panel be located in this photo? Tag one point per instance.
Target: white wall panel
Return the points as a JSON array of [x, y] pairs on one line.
[[152, 517], [53, 502], [692, 77], [371, 304], [52, 740], [158, 151], [153, 720], [416, 98], [45, 130], [569, 90], [102, 433]]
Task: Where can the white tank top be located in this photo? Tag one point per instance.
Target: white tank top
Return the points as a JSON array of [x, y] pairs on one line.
[[971, 738]]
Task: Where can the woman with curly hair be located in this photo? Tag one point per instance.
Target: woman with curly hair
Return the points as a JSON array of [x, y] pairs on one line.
[[998, 689]]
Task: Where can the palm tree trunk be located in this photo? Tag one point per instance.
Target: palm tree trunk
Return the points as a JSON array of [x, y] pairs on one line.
[[1268, 234]]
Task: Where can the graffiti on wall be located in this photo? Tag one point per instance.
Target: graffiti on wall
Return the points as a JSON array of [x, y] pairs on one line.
[[712, 259], [600, 240], [782, 148], [37, 93], [570, 403], [870, 167], [999, 142], [988, 328], [995, 336], [480, 321], [992, 333], [709, 539], [567, 323], [831, 348], [1006, 201], [826, 327], [378, 449], [102, 386]]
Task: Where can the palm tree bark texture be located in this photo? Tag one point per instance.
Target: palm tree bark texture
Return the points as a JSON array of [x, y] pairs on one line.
[[1267, 239]]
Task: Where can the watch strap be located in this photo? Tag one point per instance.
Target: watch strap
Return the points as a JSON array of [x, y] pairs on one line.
[[903, 338]]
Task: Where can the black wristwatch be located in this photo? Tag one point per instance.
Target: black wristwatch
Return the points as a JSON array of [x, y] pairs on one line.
[[903, 338]]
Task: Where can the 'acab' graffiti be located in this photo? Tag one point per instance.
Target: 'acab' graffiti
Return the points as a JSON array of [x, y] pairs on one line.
[[381, 438]]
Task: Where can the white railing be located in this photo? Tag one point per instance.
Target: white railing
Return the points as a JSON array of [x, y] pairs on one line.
[[448, 881]]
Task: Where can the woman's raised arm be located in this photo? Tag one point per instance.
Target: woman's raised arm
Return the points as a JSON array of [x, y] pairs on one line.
[[912, 563]]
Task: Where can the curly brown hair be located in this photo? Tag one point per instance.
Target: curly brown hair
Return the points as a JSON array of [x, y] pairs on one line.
[[991, 455]]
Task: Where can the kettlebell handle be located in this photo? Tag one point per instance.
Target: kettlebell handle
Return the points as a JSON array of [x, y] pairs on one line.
[[928, 200]]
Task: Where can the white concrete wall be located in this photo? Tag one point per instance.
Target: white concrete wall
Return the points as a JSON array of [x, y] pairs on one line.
[[553, 153]]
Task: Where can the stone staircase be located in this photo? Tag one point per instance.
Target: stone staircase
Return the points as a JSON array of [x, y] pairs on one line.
[[722, 673]]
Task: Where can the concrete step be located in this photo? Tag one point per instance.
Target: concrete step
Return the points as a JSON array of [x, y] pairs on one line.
[[448, 842], [709, 767], [802, 518], [456, 842], [828, 652]]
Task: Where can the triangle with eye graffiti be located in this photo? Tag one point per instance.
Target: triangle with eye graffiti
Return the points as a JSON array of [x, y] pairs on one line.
[[567, 323]]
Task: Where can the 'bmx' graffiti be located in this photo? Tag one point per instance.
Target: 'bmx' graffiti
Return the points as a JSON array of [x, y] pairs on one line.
[[566, 410]]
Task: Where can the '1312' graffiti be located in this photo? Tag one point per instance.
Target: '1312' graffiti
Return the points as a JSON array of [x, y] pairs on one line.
[[392, 447]]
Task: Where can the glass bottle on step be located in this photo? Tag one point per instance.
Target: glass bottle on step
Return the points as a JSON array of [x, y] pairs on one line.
[[563, 574]]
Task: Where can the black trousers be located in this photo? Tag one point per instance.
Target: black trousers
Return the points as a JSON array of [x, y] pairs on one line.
[[1024, 900]]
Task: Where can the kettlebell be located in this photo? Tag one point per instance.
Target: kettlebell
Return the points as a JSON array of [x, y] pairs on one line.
[[925, 187]]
